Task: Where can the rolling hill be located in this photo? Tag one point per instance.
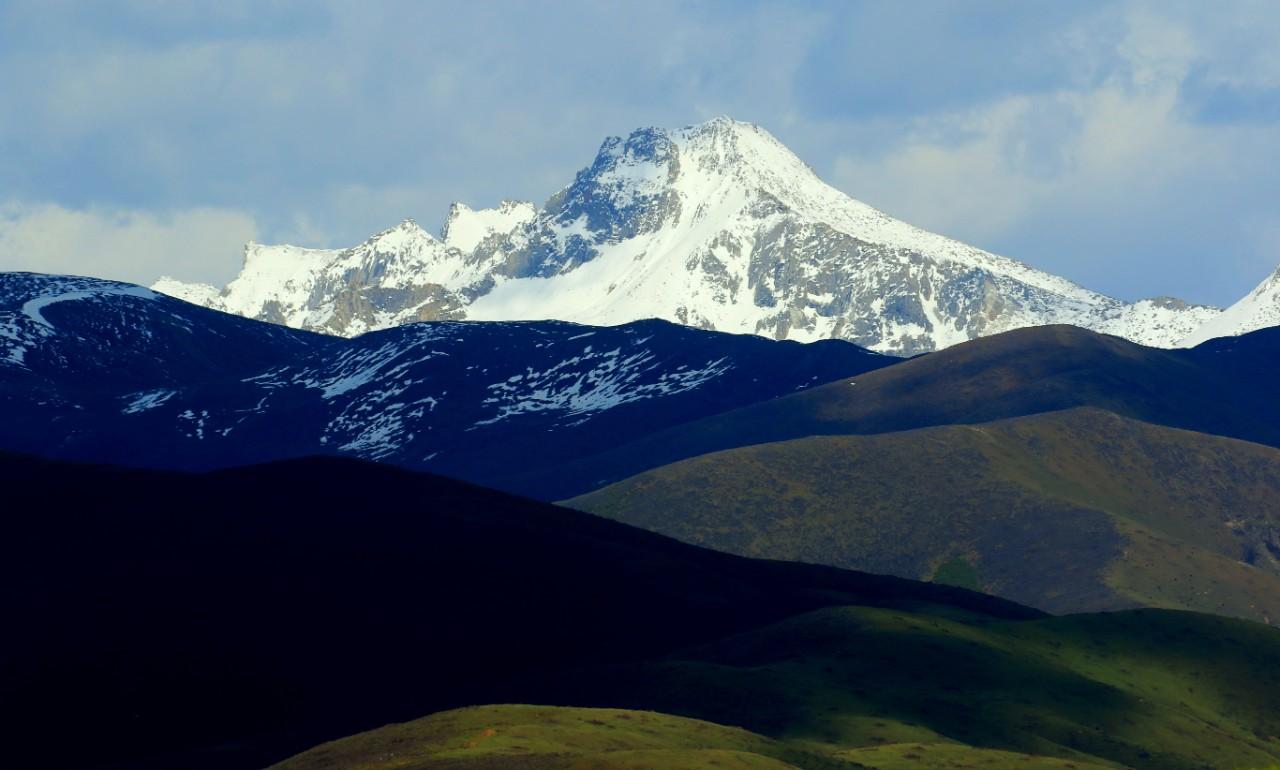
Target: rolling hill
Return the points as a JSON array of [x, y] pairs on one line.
[[847, 688], [1139, 689], [1071, 511], [1224, 387], [498, 737]]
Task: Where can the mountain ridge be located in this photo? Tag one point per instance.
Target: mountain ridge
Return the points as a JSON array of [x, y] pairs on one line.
[[135, 377], [717, 226], [1220, 388]]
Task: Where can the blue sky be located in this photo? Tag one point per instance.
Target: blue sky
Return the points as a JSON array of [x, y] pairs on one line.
[[1130, 146]]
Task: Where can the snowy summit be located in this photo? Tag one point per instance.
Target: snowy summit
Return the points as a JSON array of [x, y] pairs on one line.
[[717, 226]]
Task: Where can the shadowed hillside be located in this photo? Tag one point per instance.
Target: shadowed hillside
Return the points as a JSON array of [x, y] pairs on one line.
[[229, 619]]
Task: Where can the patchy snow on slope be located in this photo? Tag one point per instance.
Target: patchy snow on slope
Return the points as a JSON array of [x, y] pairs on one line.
[[141, 402], [23, 323], [608, 379]]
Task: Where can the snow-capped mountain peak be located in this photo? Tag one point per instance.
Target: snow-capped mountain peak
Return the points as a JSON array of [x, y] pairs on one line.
[[407, 235], [405, 248], [1259, 309], [466, 228], [717, 225]]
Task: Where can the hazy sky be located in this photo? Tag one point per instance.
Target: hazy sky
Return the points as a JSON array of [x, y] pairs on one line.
[[1133, 147]]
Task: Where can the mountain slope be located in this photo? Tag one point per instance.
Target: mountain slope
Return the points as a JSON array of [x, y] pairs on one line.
[[717, 226], [227, 620], [1258, 309], [1222, 388], [1070, 511], [130, 376]]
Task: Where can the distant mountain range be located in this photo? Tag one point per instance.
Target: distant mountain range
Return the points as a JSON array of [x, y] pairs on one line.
[[716, 226]]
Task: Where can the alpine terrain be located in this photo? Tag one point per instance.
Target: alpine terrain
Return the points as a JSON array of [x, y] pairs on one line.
[[717, 226], [123, 374], [1257, 310]]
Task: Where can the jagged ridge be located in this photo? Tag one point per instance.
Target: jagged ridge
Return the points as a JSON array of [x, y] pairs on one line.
[[717, 226]]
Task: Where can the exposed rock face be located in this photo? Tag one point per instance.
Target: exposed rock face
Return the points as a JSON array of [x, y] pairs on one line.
[[717, 226]]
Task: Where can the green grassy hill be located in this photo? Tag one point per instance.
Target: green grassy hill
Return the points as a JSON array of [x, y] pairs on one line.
[[1225, 392], [1069, 511], [1143, 689], [551, 738], [863, 687]]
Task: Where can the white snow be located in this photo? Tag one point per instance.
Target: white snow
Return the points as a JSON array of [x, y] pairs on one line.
[[33, 308], [141, 402], [17, 342], [195, 293], [198, 421], [465, 228], [272, 274], [610, 379], [1258, 309]]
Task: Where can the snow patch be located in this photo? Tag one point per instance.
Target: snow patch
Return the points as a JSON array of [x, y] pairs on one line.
[[33, 308], [141, 402]]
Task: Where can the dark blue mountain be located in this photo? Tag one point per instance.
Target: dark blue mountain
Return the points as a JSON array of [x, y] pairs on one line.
[[103, 371]]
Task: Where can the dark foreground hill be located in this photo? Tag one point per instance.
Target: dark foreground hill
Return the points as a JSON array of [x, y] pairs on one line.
[[224, 620], [1225, 387]]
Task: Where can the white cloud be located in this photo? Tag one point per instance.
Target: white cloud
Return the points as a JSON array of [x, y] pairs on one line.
[[1114, 183], [197, 244], [1100, 139]]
